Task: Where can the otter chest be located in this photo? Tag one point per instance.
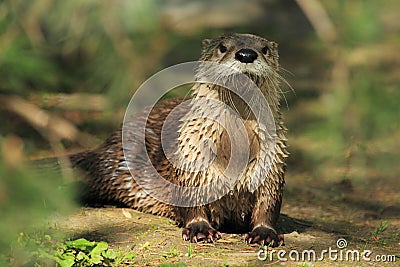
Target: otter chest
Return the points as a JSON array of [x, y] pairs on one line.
[[224, 144]]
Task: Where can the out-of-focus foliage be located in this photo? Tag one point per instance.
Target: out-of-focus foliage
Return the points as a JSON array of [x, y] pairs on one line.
[[28, 196], [357, 21], [91, 47], [51, 47], [77, 46], [359, 121]]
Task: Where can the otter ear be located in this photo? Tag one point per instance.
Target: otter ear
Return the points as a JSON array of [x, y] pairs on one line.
[[206, 42], [274, 45]]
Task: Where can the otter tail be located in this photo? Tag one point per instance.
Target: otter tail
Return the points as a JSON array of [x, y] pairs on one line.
[[80, 163], [82, 160]]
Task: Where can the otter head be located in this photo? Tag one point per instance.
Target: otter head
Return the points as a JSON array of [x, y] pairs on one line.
[[250, 54]]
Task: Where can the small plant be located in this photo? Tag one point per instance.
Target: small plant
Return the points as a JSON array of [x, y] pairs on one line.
[[79, 252], [380, 230], [173, 252], [189, 251], [145, 246], [364, 247]]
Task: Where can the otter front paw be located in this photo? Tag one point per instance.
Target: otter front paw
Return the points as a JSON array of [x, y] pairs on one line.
[[264, 236], [198, 231]]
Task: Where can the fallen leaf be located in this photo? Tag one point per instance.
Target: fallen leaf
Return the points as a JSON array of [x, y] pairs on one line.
[[127, 214]]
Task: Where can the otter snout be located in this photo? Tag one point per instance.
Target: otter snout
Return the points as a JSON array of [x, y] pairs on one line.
[[246, 55]]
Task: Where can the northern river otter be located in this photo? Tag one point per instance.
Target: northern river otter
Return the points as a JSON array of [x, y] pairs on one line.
[[245, 208]]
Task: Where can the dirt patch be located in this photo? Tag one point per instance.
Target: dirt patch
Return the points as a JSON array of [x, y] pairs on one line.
[[312, 219]]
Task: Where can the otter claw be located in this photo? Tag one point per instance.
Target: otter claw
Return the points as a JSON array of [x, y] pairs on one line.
[[264, 235], [199, 231]]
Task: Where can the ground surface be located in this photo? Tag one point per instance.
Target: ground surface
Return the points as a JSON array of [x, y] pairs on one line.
[[313, 218]]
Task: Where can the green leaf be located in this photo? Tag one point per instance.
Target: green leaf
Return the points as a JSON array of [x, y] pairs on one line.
[[100, 247], [96, 252], [82, 256], [130, 256], [109, 254], [81, 244], [96, 259], [66, 261]]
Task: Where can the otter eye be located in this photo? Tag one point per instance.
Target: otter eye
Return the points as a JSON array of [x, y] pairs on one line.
[[222, 48], [265, 50]]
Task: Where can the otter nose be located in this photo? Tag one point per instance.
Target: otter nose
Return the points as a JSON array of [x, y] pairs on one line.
[[246, 55]]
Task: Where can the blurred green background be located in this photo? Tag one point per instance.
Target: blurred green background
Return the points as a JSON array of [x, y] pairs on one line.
[[69, 68]]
